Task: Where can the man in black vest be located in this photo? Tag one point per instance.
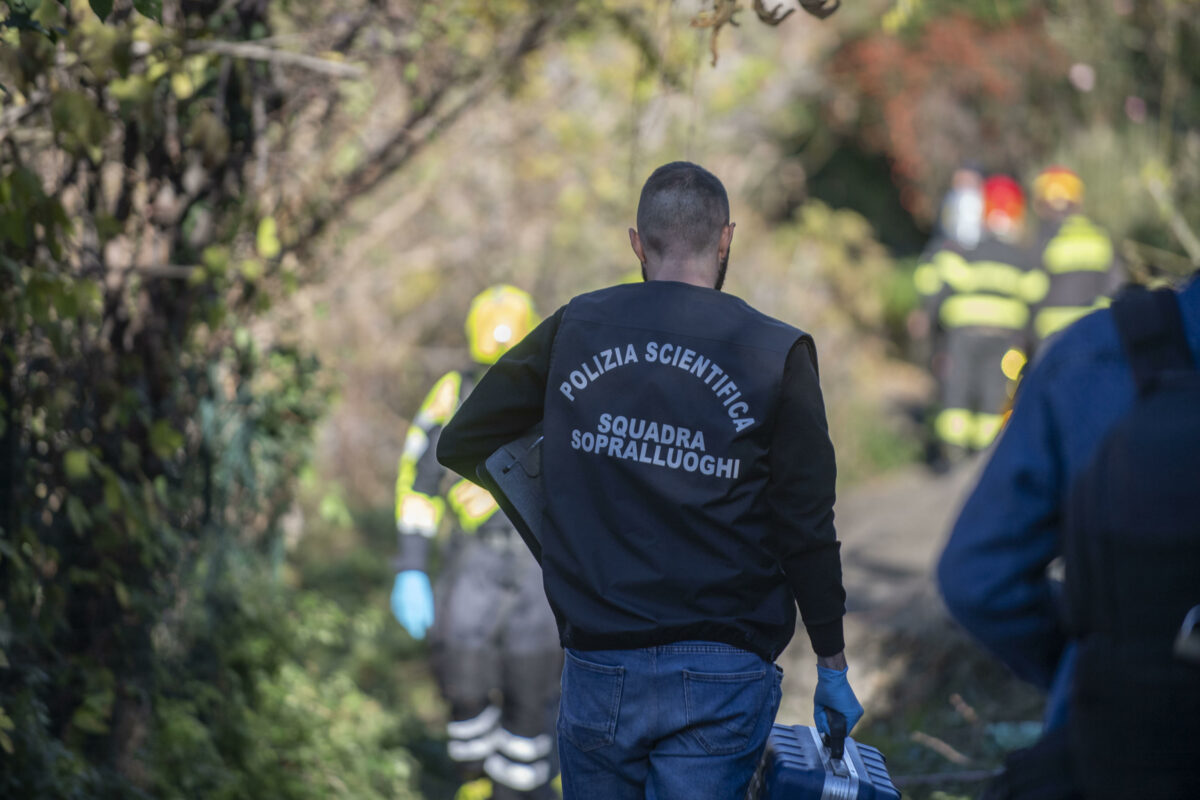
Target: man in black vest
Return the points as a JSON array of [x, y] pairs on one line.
[[689, 480]]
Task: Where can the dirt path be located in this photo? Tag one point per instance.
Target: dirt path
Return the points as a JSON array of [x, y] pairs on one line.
[[892, 530]]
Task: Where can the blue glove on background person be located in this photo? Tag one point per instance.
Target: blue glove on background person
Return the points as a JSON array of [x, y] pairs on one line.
[[412, 602], [833, 691]]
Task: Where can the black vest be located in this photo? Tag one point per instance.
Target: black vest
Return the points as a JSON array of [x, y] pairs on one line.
[[660, 407], [1131, 544]]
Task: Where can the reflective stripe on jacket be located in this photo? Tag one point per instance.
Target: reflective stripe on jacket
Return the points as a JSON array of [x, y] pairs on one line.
[[1083, 271], [989, 287], [421, 496]]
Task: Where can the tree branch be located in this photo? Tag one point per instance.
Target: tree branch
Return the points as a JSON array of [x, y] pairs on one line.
[[169, 271], [1179, 226], [424, 125], [257, 52], [11, 117]]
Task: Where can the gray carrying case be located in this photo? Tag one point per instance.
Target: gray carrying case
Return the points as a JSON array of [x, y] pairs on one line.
[[798, 764], [513, 474]]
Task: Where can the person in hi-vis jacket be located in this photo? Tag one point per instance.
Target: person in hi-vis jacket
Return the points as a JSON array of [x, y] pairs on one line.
[[1076, 253], [981, 299], [493, 640]]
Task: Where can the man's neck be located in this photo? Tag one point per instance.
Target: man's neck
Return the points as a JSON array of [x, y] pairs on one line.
[[682, 272]]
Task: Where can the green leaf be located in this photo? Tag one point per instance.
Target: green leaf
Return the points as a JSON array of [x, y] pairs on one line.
[[78, 514], [8, 551], [164, 440], [108, 226], [268, 238], [333, 510], [88, 298], [26, 7], [95, 711], [132, 89], [210, 135], [215, 259], [79, 125], [131, 454], [149, 8], [112, 493], [88, 721], [252, 269], [14, 269], [122, 594], [84, 577], [12, 228], [102, 8], [64, 300], [76, 463], [182, 85]]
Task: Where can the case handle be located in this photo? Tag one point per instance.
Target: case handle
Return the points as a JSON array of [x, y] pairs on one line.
[[835, 740]]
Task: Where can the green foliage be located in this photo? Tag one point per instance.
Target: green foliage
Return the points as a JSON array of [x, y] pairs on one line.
[[149, 8], [24, 7], [273, 709], [267, 241], [149, 442], [102, 8], [157, 191]]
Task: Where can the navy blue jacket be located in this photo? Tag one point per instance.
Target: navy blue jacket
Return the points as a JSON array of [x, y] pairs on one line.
[[992, 573]]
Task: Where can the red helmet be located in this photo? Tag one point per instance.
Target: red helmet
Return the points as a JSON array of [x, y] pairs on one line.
[[1003, 203]]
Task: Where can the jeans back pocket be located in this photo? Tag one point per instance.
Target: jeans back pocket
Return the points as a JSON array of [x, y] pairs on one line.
[[591, 699], [726, 710]]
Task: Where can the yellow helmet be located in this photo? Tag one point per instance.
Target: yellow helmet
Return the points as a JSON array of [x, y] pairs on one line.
[[1059, 188], [499, 318]]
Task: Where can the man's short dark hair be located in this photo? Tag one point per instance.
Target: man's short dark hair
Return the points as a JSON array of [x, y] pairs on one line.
[[682, 210]]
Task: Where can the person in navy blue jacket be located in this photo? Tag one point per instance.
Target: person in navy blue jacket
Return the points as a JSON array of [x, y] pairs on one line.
[[993, 571]]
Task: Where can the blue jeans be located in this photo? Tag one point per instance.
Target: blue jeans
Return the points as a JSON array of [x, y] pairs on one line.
[[681, 721]]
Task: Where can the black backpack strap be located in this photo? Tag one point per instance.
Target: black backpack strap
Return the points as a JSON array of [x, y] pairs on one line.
[[1150, 325]]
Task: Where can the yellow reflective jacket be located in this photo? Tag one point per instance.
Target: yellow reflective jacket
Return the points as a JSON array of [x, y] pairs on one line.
[[991, 286], [1079, 258], [422, 494]]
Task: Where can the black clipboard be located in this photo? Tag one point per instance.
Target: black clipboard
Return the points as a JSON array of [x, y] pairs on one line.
[[513, 474]]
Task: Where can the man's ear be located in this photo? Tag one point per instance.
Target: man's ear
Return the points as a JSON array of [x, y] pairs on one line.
[[726, 241], [635, 242]]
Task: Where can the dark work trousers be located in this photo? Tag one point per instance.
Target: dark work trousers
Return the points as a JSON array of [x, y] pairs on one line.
[[974, 388], [496, 656]]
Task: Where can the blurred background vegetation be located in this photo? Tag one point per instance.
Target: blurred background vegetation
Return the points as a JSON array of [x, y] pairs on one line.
[[237, 242]]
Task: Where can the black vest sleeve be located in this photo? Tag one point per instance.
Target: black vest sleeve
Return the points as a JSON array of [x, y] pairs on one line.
[[801, 495], [507, 402]]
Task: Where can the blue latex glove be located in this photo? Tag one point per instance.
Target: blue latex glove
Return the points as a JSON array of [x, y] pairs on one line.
[[833, 691], [412, 602]]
